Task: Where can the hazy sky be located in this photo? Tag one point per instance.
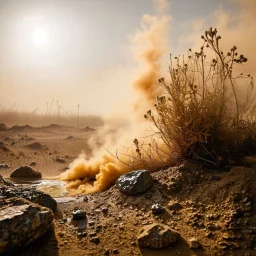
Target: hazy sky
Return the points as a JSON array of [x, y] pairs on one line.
[[79, 51]]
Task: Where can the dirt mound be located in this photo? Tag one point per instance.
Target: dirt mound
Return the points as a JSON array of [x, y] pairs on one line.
[[35, 146], [88, 129], [52, 126], [3, 127], [18, 128]]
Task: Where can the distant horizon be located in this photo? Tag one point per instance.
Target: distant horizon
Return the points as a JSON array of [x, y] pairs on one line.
[[82, 52]]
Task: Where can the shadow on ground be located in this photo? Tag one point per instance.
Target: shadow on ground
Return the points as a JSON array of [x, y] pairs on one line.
[[44, 246]]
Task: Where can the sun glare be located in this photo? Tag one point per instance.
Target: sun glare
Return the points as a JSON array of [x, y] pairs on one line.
[[40, 36]]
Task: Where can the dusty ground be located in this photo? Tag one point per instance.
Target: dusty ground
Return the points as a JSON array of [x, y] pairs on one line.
[[24, 144], [217, 208]]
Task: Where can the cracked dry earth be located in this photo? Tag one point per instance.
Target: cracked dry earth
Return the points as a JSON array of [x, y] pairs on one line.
[[217, 209]]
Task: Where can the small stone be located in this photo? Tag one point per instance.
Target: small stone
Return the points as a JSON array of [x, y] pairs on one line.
[[107, 252], [92, 234], [91, 223], [115, 251], [79, 214], [4, 166], [157, 236], [194, 243], [104, 209], [174, 206], [60, 159], [157, 209], [61, 234], [95, 240], [98, 228], [33, 163]]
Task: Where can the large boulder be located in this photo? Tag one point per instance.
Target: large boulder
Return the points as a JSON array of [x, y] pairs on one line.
[[157, 236], [8, 190], [21, 222], [26, 172], [135, 182]]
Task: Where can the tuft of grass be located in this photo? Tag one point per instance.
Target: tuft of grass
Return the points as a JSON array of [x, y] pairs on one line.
[[206, 113]]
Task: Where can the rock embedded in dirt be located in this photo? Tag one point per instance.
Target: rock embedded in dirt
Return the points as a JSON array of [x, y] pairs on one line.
[[5, 149], [60, 160], [157, 236], [174, 206], [78, 214], [21, 222], [8, 190], [35, 146], [4, 166], [4, 182], [135, 182], [32, 195], [194, 243], [33, 163], [26, 172], [157, 209], [95, 240]]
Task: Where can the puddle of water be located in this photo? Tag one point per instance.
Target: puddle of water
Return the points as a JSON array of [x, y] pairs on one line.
[[54, 188]]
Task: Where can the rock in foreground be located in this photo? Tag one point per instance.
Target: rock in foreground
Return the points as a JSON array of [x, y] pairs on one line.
[[26, 172], [136, 182], [8, 190], [21, 222], [157, 236]]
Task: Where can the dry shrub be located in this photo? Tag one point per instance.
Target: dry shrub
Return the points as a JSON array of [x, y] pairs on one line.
[[206, 114]]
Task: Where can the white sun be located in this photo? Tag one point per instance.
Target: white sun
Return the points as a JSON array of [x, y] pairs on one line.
[[40, 36]]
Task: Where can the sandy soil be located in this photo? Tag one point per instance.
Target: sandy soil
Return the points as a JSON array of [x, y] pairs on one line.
[[24, 144], [218, 208]]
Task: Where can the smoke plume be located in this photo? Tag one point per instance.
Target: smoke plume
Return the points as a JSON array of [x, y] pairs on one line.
[[102, 169]]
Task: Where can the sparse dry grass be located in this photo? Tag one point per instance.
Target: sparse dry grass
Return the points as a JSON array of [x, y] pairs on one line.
[[11, 117], [206, 114]]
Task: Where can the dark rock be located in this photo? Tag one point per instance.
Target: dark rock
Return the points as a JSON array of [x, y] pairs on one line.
[[105, 209], [157, 209], [35, 146], [107, 252], [26, 172], [174, 206], [78, 214], [92, 234], [33, 163], [98, 228], [135, 182], [4, 182], [8, 190], [60, 160], [21, 222], [157, 236], [115, 251], [95, 240], [4, 166], [5, 149]]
